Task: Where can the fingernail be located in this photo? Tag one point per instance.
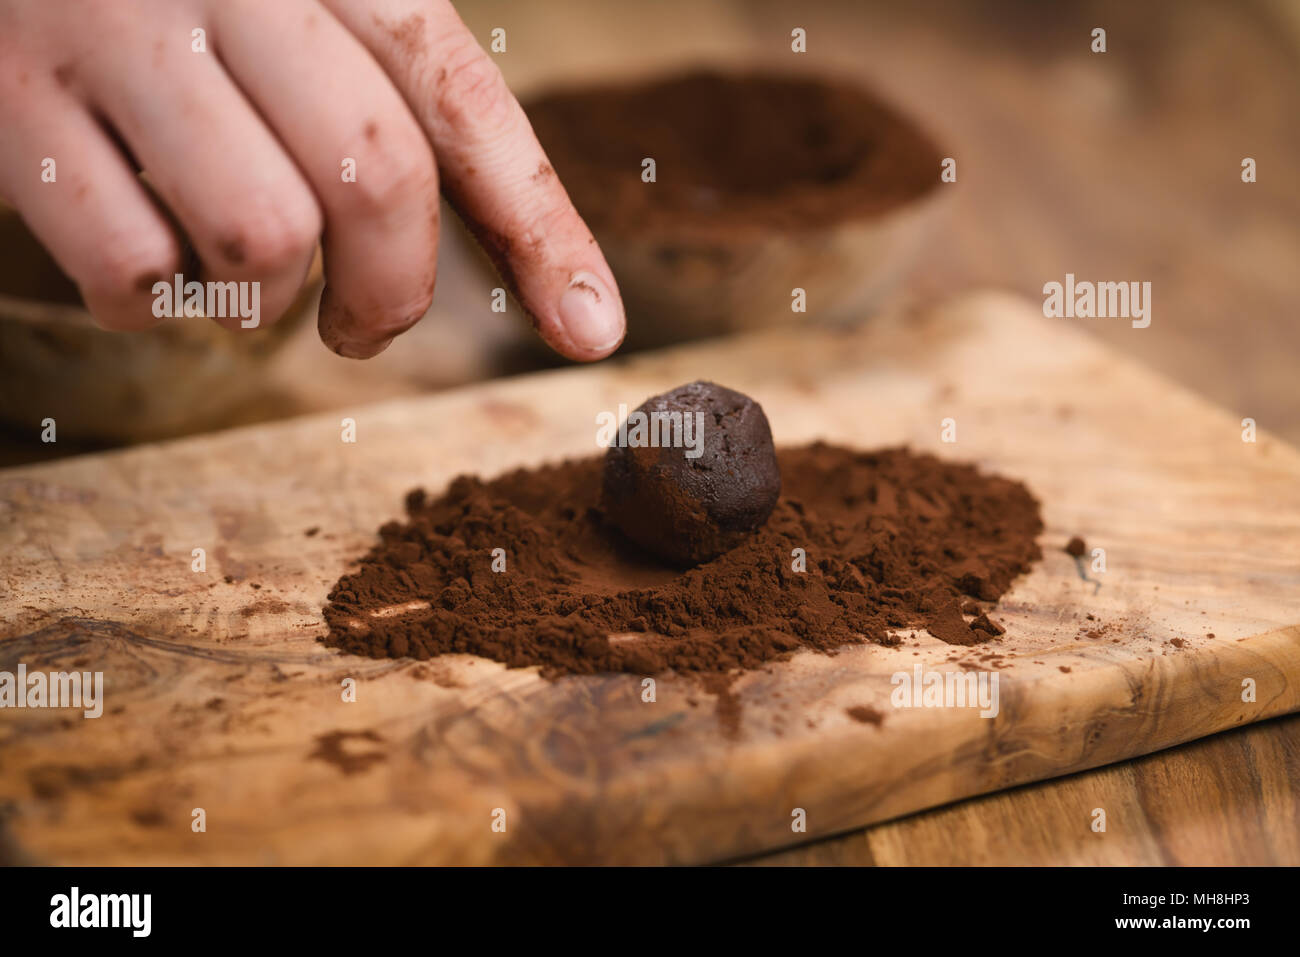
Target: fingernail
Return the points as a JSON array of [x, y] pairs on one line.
[[590, 313], [353, 349]]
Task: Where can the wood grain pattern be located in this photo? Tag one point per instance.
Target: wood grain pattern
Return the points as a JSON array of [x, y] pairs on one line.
[[219, 696], [1226, 800]]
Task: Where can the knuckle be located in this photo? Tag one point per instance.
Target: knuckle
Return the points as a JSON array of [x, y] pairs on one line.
[[128, 265], [14, 75], [278, 237], [471, 89], [531, 229], [390, 179]]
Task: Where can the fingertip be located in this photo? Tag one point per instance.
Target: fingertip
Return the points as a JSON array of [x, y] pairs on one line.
[[353, 349], [260, 313], [344, 335], [131, 313], [591, 319]]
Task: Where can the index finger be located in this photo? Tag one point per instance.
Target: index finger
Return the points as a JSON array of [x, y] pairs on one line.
[[494, 172]]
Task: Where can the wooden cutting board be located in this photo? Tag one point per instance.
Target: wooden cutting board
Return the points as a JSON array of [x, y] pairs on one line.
[[218, 695]]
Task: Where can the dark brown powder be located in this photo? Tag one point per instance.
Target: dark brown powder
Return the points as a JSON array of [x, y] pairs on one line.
[[736, 150], [861, 545], [334, 748], [865, 715], [982, 622]]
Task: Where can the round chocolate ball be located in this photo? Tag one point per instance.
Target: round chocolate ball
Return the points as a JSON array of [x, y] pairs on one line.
[[691, 473]]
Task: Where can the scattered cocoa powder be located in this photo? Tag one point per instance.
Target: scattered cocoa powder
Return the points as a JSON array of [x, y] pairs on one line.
[[350, 758], [892, 541], [729, 708], [265, 606], [865, 714], [947, 624]]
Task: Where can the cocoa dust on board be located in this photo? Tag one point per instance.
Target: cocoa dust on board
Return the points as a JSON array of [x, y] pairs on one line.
[[894, 541]]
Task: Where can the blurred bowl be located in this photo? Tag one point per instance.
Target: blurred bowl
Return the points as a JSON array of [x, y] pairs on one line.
[[182, 376], [765, 183], [677, 288]]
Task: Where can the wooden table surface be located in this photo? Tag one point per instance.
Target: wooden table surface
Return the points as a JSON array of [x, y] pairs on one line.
[[1117, 166], [1230, 799]]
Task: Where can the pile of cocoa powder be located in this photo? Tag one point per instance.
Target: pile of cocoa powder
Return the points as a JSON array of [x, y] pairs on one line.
[[893, 541], [755, 150]]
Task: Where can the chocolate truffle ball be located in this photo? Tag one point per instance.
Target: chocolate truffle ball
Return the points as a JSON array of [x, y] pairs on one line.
[[691, 473]]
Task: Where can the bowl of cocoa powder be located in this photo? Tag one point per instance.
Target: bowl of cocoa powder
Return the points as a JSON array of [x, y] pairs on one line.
[[715, 196], [184, 375]]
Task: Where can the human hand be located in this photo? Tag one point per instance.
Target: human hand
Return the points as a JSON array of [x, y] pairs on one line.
[[244, 143]]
